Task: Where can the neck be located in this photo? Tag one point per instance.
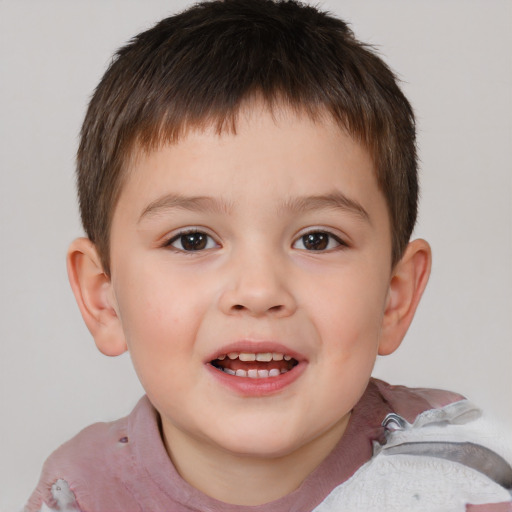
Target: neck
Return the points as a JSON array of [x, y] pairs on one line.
[[246, 480]]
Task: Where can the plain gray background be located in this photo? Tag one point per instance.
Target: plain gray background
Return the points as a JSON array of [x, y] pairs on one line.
[[454, 58]]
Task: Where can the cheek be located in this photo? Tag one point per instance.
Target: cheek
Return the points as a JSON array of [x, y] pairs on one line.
[[151, 297], [349, 325], [160, 315], [352, 307]]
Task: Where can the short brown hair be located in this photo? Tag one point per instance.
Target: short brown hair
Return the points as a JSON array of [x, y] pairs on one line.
[[198, 67]]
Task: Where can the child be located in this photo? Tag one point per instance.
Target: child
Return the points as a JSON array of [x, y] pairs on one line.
[[247, 182]]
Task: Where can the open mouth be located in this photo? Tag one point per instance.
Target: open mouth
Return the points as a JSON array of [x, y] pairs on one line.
[[259, 365]]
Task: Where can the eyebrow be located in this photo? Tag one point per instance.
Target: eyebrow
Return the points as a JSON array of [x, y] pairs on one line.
[[178, 201], [335, 200]]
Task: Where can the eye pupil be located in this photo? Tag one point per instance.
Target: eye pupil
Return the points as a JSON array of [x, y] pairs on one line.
[[316, 241], [194, 241]]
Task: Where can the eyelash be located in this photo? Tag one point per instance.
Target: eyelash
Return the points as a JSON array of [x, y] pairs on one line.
[[327, 239], [182, 234]]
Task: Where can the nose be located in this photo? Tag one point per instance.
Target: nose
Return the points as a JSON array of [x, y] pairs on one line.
[[257, 285]]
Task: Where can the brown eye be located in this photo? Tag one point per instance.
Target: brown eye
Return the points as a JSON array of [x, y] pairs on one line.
[[193, 241], [317, 241]]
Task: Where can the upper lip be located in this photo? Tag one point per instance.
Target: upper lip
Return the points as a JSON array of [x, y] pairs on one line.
[[255, 347]]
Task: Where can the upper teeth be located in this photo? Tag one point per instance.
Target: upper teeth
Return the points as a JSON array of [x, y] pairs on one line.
[[259, 356]]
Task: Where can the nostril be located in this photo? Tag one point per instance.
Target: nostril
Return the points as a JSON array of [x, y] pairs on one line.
[[273, 309]]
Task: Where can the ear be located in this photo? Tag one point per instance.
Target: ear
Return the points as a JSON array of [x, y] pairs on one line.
[[93, 292], [408, 281]]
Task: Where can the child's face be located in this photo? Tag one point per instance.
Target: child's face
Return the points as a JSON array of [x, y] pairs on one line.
[[275, 240]]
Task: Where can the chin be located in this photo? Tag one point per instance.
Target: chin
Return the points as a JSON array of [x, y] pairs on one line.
[[258, 444]]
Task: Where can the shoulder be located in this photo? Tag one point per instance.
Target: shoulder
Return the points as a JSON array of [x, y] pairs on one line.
[[439, 453], [410, 402], [433, 414], [89, 461]]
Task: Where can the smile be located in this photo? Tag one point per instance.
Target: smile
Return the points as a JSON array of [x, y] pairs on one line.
[[254, 365]]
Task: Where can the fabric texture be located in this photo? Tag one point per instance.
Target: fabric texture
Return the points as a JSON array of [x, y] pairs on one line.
[[441, 451], [123, 466]]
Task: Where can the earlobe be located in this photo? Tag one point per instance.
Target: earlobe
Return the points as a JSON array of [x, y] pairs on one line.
[[93, 292], [408, 281]]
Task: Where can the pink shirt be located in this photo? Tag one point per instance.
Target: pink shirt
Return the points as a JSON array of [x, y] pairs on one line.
[[123, 465]]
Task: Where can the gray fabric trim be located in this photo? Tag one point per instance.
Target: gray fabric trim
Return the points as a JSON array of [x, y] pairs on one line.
[[472, 455]]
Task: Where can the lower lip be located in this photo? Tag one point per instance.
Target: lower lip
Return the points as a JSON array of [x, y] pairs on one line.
[[257, 387]]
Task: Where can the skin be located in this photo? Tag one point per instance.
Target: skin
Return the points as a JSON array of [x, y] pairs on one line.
[[256, 282]]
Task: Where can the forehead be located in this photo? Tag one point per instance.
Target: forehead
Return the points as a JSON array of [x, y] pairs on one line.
[[254, 112], [278, 154]]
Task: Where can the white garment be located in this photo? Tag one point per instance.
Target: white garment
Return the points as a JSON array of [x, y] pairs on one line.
[[418, 483]]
